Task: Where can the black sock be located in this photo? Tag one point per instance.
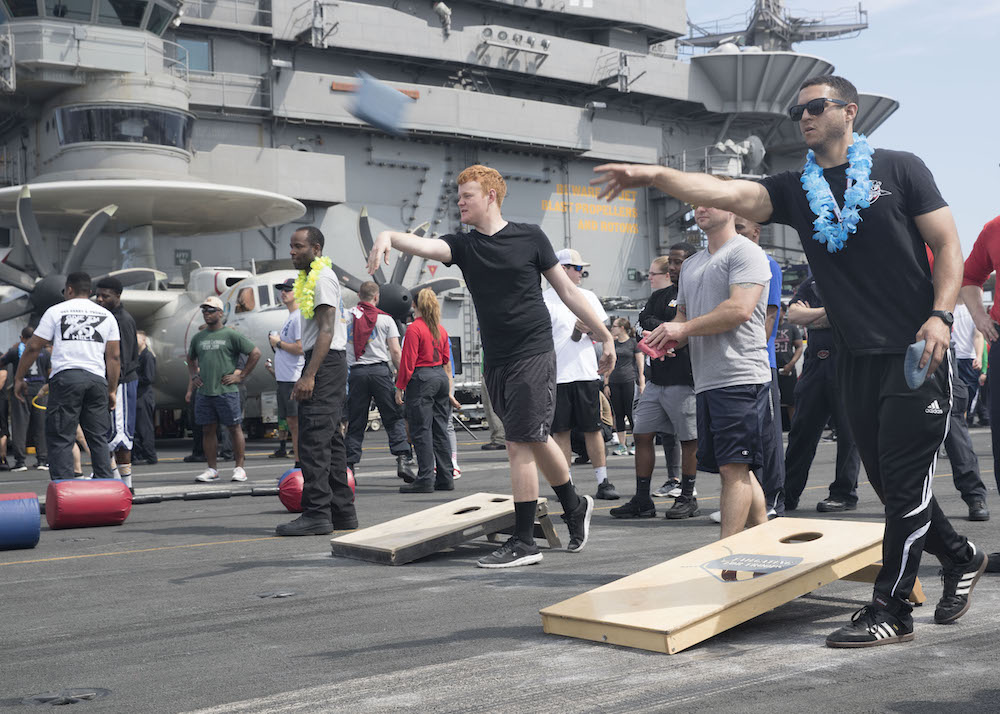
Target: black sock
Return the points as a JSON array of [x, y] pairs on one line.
[[567, 497], [524, 521], [642, 488], [687, 486]]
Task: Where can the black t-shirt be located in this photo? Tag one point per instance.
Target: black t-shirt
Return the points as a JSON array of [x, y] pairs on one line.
[[878, 287], [624, 371], [662, 307], [128, 345], [817, 338], [784, 342], [37, 372], [503, 274]]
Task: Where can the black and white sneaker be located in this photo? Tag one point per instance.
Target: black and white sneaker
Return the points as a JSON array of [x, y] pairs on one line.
[[511, 554], [958, 583], [683, 507], [635, 509], [670, 489], [578, 523], [870, 627], [606, 491]]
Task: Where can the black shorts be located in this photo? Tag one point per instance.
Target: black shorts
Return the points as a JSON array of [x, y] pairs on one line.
[[287, 407], [731, 424], [578, 406], [523, 394]]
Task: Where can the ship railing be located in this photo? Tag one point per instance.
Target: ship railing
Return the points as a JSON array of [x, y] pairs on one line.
[[174, 58], [230, 90], [10, 167], [238, 12]]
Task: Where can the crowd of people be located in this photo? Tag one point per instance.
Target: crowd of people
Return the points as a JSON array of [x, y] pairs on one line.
[[710, 378]]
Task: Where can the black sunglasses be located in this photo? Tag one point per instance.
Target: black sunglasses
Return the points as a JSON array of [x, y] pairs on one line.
[[577, 268], [814, 106], [210, 309], [283, 288]]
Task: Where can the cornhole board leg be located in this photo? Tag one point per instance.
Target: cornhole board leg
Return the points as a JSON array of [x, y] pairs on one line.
[[420, 534], [686, 600], [868, 574], [543, 528]]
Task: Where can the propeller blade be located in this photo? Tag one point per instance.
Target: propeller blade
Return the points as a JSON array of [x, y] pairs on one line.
[[346, 279], [31, 234], [403, 259], [85, 238], [14, 277], [15, 308], [367, 242], [134, 276], [438, 285]]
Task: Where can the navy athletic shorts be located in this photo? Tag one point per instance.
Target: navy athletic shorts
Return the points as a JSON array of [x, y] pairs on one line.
[[731, 424]]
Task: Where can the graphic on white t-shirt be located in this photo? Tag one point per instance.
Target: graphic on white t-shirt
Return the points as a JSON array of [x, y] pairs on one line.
[[81, 328]]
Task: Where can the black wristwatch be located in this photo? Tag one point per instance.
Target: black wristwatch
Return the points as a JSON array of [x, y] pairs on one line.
[[946, 317]]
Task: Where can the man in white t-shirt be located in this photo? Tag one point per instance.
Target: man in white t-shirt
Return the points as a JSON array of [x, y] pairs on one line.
[[372, 342], [86, 364], [288, 362], [327, 498], [578, 385]]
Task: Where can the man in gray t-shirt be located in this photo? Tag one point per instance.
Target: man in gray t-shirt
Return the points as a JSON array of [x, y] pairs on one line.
[[720, 313]]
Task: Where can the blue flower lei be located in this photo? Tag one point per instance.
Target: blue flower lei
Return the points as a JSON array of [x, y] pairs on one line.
[[822, 202]]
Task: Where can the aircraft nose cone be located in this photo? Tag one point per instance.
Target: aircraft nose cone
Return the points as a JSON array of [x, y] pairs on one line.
[[395, 300], [48, 291]]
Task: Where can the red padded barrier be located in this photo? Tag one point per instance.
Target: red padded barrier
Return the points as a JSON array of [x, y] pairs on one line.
[[81, 504]]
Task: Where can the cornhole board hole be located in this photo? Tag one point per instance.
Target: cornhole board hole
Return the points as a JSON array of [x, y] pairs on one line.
[[417, 535], [683, 601]]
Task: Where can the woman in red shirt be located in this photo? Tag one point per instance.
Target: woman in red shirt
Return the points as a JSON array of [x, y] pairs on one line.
[[423, 378]]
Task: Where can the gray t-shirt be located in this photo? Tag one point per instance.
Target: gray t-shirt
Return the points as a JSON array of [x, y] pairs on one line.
[[737, 356], [327, 293], [377, 349]]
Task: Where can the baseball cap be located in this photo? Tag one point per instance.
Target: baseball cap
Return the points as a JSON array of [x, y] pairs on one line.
[[213, 301], [287, 285], [569, 256]]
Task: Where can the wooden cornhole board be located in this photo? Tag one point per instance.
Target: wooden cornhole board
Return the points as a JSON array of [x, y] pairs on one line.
[[683, 601], [406, 539]]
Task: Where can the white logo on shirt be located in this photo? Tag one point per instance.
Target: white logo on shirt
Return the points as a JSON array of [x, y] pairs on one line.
[[933, 408], [81, 328], [877, 191]]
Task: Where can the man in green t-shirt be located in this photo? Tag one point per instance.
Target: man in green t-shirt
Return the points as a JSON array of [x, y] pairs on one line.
[[212, 366]]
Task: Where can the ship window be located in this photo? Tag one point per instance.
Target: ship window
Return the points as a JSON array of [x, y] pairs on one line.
[[126, 13], [245, 301], [159, 18], [23, 8], [199, 53], [133, 124], [78, 10]]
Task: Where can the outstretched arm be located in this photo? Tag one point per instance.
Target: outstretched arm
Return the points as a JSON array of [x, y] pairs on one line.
[[745, 198], [430, 248]]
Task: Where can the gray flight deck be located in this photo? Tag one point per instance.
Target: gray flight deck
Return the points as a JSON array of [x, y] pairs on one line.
[[166, 612]]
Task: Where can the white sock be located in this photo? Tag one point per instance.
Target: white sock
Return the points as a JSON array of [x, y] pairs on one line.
[[454, 458], [127, 480], [601, 473], [115, 474]]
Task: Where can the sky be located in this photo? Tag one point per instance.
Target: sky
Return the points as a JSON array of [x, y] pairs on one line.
[[938, 60]]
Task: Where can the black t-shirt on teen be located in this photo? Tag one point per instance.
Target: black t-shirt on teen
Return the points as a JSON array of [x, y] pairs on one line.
[[625, 368], [503, 274], [877, 288], [662, 307], [784, 342], [129, 345]]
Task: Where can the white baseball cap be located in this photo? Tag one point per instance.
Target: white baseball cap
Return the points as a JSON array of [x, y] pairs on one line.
[[570, 256]]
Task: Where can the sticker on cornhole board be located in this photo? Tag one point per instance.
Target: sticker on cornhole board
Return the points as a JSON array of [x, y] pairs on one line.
[[743, 566]]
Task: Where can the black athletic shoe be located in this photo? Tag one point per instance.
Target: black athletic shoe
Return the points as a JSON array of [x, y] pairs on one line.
[[635, 509], [192, 459], [405, 469], [791, 505], [345, 523], [958, 583], [832, 505], [870, 627], [683, 508], [511, 554], [606, 491], [493, 447], [417, 487], [993, 563], [303, 526], [279, 453], [581, 459], [978, 510], [578, 523]]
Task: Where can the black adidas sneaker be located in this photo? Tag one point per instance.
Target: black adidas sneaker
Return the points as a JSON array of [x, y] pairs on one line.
[[871, 626], [958, 583]]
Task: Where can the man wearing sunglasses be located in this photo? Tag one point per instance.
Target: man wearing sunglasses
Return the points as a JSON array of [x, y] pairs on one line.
[[212, 366], [880, 298], [288, 361]]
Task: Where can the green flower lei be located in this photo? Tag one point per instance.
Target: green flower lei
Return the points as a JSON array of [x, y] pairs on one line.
[[305, 285]]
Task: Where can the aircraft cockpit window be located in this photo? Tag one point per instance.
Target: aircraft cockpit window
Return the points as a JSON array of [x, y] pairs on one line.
[[264, 292], [245, 302]]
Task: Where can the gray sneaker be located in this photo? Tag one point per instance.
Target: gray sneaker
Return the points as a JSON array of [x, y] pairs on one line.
[[671, 489], [511, 554]]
